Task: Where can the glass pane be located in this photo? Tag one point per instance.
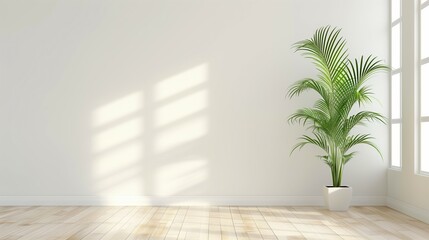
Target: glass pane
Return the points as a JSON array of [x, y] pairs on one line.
[[396, 46], [424, 31], [396, 96], [424, 90], [424, 157], [396, 145], [396, 9], [423, 1]]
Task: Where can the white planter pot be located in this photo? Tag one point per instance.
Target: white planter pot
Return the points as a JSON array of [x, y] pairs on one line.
[[337, 198]]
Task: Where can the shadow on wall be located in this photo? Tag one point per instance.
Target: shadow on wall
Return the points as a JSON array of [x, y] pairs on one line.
[[157, 128]]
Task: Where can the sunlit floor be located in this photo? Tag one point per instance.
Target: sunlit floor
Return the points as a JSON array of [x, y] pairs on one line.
[[207, 223]]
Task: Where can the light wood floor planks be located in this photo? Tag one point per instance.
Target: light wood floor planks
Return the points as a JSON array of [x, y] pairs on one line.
[[214, 222]]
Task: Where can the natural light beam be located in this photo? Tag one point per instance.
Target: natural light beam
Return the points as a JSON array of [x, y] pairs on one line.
[[396, 145], [396, 9], [424, 33], [180, 134], [424, 85], [118, 134], [181, 108], [396, 46], [424, 138], [396, 96], [117, 146], [181, 82], [118, 109]]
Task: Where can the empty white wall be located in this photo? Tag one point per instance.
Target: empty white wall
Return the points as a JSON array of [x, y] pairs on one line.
[[117, 99]]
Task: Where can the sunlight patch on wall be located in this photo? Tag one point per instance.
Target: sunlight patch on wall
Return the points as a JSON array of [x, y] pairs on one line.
[[180, 120], [118, 109], [175, 115], [118, 134], [180, 134], [181, 108], [117, 145], [176, 177], [124, 157], [181, 82]]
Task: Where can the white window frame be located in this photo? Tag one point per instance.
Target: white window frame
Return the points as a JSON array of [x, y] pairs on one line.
[[421, 62]]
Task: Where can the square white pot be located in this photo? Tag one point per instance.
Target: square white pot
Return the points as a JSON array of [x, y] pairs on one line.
[[337, 198]]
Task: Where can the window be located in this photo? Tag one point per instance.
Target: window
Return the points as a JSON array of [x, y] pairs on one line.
[[424, 86], [395, 91]]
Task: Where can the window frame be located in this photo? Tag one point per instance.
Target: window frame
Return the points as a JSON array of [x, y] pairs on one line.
[[421, 62]]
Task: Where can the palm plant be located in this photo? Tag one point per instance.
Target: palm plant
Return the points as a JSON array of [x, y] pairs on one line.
[[340, 84]]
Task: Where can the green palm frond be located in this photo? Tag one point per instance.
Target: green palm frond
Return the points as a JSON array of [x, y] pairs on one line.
[[318, 140], [360, 118], [312, 115], [361, 139], [327, 51], [326, 159], [308, 84], [340, 84]]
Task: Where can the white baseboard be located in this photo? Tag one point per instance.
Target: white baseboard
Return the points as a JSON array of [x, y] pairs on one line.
[[406, 208], [368, 201], [180, 200]]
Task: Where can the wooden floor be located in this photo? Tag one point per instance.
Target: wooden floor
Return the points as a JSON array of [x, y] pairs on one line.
[[207, 223]]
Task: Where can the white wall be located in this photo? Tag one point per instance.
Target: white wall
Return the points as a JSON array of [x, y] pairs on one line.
[[408, 190], [103, 99]]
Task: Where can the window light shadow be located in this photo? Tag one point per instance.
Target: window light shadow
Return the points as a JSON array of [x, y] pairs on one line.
[[118, 134], [117, 109], [175, 136], [181, 108], [181, 82], [129, 139], [108, 163], [116, 145]]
